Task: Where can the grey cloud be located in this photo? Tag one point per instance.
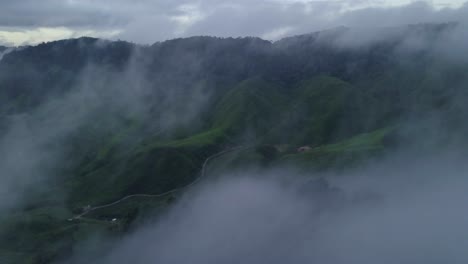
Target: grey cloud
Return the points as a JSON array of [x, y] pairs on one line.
[[263, 17], [35, 144], [53, 13], [146, 28], [248, 218], [80, 13], [257, 19], [418, 12], [148, 21]]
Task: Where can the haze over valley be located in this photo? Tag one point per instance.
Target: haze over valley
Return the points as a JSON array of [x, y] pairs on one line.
[[299, 139]]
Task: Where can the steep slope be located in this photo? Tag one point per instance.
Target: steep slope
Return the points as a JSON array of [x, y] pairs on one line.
[[343, 154], [117, 119], [323, 109], [30, 76], [251, 107]]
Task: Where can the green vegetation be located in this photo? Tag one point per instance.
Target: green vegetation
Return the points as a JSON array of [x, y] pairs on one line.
[[204, 139], [362, 142], [201, 96], [345, 153], [250, 107]]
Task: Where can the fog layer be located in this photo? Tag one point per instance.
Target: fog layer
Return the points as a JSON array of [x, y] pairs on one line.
[[401, 210]]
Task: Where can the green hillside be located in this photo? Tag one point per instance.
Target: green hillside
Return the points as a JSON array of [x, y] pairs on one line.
[[252, 106], [86, 123]]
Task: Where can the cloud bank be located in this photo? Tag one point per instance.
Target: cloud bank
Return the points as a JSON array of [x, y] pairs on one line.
[[398, 211], [147, 21]]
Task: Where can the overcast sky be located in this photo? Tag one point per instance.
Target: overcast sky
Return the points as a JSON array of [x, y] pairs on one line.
[[148, 21]]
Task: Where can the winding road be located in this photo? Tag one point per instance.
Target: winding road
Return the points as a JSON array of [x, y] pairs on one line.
[[202, 175]]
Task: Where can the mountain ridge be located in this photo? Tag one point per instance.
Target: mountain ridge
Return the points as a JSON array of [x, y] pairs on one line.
[[99, 120]]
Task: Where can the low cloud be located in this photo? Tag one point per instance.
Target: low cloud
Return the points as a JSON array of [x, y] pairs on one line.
[[401, 210], [149, 21], [37, 142]]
